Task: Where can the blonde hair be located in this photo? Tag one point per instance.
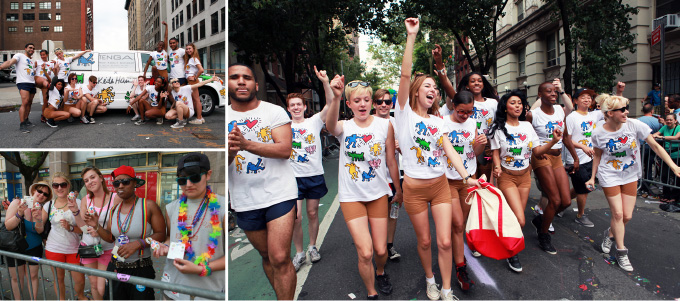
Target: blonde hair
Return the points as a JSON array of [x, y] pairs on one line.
[[418, 81], [359, 88], [611, 102]]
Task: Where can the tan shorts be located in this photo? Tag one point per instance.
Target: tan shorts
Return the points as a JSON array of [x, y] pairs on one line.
[[372, 209], [627, 189], [419, 192], [508, 180], [458, 189], [66, 107], [550, 160]]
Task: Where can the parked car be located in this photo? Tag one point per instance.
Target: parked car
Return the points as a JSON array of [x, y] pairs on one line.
[[13, 76], [115, 72]]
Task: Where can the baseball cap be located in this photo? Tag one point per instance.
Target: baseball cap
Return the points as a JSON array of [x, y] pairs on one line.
[[202, 162], [584, 90], [127, 170]]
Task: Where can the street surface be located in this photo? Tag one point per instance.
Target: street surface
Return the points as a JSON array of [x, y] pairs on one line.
[[578, 271], [112, 129]]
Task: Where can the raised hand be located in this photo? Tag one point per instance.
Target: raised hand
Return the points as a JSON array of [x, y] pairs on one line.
[[412, 25], [236, 140], [322, 75], [437, 56], [338, 85], [558, 85]]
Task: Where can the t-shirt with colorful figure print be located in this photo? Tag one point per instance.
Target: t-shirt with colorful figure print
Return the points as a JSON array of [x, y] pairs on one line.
[[160, 59], [362, 164], [257, 182], [484, 112], [515, 152], [580, 128], [176, 58], [462, 137], [545, 124], [184, 95], [306, 156], [620, 161], [152, 95], [54, 98], [73, 94], [64, 67], [25, 69], [420, 140], [48, 66], [191, 68]]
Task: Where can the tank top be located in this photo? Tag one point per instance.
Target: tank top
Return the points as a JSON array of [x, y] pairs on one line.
[[134, 231], [103, 219], [545, 124]]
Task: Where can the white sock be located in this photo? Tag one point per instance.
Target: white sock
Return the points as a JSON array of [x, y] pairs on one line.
[[430, 280], [300, 254], [311, 246], [445, 292]]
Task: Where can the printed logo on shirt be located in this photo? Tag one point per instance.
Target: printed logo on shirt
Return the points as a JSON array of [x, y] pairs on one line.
[[245, 125], [181, 98], [552, 125], [265, 134], [422, 129], [354, 140], [29, 68]]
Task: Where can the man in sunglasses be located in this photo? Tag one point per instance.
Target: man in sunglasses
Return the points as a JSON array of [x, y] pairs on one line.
[[261, 181], [132, 254], [94, 104], [306, 162], [204, 213]]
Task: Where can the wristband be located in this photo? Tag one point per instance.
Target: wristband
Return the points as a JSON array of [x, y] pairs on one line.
[[443, 71], [561, 92], [19, 216], [205, 270]]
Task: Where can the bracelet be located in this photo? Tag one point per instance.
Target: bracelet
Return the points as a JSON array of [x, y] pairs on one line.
[[208, 269], [143, 243], [76, 213], [19, 216], [70, 228], [443, 71], [205, 270]]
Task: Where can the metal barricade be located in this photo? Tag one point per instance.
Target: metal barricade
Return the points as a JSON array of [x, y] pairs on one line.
[[656, 174], [174, 287]]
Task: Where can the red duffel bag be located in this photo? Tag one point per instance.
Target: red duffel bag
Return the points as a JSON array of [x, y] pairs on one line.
[[492, 228]]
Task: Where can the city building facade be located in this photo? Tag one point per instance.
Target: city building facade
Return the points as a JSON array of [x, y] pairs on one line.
[[203, 23], [135, 13]]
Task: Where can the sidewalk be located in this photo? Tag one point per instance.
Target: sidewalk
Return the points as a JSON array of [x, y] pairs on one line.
[[10, 99]]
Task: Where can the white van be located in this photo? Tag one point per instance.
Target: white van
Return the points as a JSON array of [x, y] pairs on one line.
[[115, 72]]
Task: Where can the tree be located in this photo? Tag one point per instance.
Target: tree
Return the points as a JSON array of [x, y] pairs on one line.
[[29, 165]]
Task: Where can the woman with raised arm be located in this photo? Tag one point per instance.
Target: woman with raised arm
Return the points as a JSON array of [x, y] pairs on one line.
[[514, 141], [183, 108], [616, 164], [363, 187], [421, 137]]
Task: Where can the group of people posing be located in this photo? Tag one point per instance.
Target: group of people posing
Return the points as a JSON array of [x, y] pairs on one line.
[[126, 228], [443, 152]]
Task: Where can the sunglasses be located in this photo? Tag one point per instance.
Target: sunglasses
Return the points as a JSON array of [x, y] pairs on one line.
[[125, 182], [46, 194], [464, 112], [181, 181], [355, 84], [94, 83], [57, 185], [380, 101], [622, 110]]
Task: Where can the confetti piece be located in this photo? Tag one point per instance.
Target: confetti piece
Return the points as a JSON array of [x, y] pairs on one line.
[[352, 296], [238, 239], [658, 286], [575, 209], [583, 287]]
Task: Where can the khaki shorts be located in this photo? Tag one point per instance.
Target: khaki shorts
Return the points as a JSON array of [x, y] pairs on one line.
[[419, 192], [373, 209], [507, 180], [627, 189], [550, 160], [458, 189]]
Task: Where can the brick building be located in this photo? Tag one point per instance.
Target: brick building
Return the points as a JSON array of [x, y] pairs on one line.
[[135, 12], [201, 22], [69, 21]]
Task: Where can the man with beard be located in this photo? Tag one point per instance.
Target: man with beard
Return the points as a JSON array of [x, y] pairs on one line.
[[135, 217], [261, 181]]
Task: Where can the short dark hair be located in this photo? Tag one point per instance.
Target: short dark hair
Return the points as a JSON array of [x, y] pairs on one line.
[[29, 44], [173, 38], [45, 51], [92, 78], [244, 65], [647, 108], [671, 114]]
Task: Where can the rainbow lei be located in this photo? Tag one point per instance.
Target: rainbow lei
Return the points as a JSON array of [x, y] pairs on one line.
[[214, 207]]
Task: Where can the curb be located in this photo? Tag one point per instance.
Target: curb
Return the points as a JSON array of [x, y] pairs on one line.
[[8, 108]]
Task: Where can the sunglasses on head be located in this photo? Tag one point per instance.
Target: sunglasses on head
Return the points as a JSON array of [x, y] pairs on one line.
[[622, 110], [57, 185], [355, 84], [46, 194], [380, 101], [195, 178], [125, 182]]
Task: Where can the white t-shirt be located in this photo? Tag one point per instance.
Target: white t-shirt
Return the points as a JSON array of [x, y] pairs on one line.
[[176, 58], [191, 67], [545, 124], [160, 60], [393, 122], [184, 95], [152, 95], [444, 111], [515, 153], [73, 94], [419, 140], [462, 137], [86, 90], [484, 113], [362, 159], [620, 162], [258, 182], [25, 69], [61, 240], [306, 155], [54, 98], [48, 65], [580, 127], [64, 67]]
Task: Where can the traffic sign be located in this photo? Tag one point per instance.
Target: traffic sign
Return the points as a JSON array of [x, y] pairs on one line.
[[656, 35]]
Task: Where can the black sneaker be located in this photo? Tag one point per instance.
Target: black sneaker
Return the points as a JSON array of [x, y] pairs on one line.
[[23, 127], [513, 263], [51, 123], [384, 285], [463, 278], [544, 241], [29, 123], [537, 222], [43, 119], [374, 297]]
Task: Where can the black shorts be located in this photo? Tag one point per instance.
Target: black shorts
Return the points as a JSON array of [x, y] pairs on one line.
[[30, 87], [313, 187], [257, 219], [579, 178], [35, 252], [128, 291]]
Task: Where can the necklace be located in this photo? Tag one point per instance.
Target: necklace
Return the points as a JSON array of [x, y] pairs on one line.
[[59, 208], [126, 224], [214, 207]]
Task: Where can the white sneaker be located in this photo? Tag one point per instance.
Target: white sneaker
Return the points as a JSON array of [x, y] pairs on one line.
[[433, 292], [450, 296], [299, 260], [159, 120], [551, 229], [475, 253], [197, 121], [607, 242], [84, 120], [137, 117], [623, 261], [179, 124], [538, 210]]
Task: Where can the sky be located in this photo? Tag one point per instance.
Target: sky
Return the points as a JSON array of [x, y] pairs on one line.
[[110, 25]]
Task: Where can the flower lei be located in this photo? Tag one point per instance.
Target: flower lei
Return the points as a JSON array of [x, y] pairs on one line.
[[214, 208]]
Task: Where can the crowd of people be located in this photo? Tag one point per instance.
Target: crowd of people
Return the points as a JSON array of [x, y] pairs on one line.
[[171, 95], [59, 226], [443, 152]]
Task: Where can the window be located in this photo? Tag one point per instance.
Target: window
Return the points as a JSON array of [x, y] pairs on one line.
[[195, 8], [195, 32], [553, 49], [45, 16], [223, 18], [57, 17], [188, 12], [12, 29], [213, 1], [189, 35], [29, 16], [172, 4], [520, 10], [522, 56], [12, 17], [14, 5], [58, 29], [181, 40], [181, 20], [173, 23], [29, 5], [201, 5], [214, 23], [28, 28], [57, 5], [202, 27], [45, 5], [44, 28]]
